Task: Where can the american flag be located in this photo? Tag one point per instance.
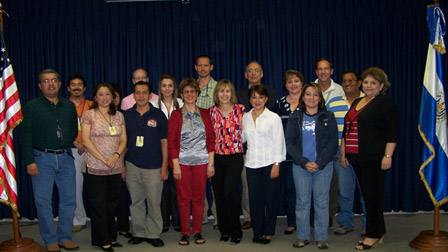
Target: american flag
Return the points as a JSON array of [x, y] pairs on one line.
[[10, 117]]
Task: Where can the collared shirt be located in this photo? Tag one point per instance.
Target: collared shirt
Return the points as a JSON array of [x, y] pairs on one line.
[[106, 143], [167, 113], [153, 126], [228, 130], [193, 148], [83, 106], [334, 90], [129, 101], [265, 139], [42, 120], [205, 98], [340, 106]]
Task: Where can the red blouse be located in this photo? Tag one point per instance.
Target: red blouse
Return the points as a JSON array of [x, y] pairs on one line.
[[228, 130], [351, 124]]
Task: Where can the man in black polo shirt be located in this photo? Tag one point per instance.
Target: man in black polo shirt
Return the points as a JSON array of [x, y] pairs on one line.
[[146, 165], [47, 133]]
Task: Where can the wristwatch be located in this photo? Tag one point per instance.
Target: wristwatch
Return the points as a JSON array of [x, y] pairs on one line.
[[276, 163], [387, 155]]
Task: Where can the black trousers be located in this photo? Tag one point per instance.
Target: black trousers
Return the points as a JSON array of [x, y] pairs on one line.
[[168, 204], [263, 200], [103, 194], [227, 198], [371, 180], [123, 209]]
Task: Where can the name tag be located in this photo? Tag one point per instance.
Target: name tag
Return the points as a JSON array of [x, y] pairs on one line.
[[112, 131], [79, 123], [139, 142]]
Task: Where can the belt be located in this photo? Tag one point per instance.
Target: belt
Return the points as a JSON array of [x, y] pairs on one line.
[[52, 151]]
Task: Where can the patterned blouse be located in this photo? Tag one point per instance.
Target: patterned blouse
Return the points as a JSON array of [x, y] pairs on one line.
[[228, 130], [106, 144]]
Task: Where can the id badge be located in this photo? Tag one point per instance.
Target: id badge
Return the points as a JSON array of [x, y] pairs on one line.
[[79, 123], [139, 141], [112, 131]]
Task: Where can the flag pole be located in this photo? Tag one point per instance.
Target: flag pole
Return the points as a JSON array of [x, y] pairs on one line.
[[17, 244]]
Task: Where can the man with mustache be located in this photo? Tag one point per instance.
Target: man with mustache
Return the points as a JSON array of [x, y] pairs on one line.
[[76, 86]]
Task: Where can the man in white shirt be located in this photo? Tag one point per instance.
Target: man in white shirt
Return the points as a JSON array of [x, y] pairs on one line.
[[330, 89], [139, 74]]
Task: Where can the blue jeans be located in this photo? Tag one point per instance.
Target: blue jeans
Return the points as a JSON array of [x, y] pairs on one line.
[[59, 169], [317, 184], [347, 181]]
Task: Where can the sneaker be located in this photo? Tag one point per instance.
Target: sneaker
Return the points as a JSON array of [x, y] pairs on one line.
[[342, 230]]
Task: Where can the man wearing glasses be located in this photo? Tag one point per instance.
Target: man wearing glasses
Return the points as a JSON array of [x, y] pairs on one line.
[[339, 105], [207, 84], [139, 74], [47, 133]]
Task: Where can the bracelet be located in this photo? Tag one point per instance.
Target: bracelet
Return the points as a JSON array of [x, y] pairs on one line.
[[387, 155], [117, 154], [211, 165]]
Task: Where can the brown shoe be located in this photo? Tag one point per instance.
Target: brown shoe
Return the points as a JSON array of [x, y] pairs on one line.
[[68, 245], [77, 228], [53, 248], [246, 225]]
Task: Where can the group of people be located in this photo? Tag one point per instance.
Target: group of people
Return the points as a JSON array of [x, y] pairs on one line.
[[165, 147]]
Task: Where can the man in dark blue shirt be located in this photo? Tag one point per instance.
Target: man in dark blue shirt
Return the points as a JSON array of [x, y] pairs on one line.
[[146, 165]]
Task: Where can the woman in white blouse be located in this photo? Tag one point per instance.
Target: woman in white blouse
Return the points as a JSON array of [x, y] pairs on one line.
[[168, 102], [263, 131]]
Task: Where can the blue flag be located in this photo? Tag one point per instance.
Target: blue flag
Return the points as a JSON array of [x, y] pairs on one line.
[[433, 120]]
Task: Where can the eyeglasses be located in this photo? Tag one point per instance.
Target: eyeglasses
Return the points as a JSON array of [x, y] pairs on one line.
[[257, 70], [46, 81], [141, 78], [189, 91], [349, 81]]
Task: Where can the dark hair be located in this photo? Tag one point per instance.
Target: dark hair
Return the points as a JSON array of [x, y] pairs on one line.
[[223, 84], [302, 102], [143, 83], [358, 77], [189, 82], [49, 71], [76, 76], [259, 89], [324, 59], [112, 107], [379, 75], [203, 56], [116, 87], [175, 92], [292, 73]]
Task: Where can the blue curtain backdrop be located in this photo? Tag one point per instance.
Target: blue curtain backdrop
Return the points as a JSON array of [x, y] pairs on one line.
[[106, 42]]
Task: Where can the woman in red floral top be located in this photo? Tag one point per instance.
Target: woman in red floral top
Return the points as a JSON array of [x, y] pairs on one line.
[[227, 118]]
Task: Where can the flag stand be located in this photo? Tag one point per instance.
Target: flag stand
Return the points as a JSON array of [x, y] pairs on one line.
[[431, 240], [18, 244]]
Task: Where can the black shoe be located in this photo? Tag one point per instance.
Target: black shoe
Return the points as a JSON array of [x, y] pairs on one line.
[[136, 240], [265, 241], [177, 229], [116, 245], [234, 241], [165, 229], [224, 238], [156, 242], [288, 232], [126, 234], [257, 240], [109, 249]]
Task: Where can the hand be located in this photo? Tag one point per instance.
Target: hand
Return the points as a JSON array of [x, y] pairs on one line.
[[274, 171], [386, 163], [163, 173], [81, 149], [311, 167], [343, 161], [111, 161], [32, 170], [210, 171], [177, 172]]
